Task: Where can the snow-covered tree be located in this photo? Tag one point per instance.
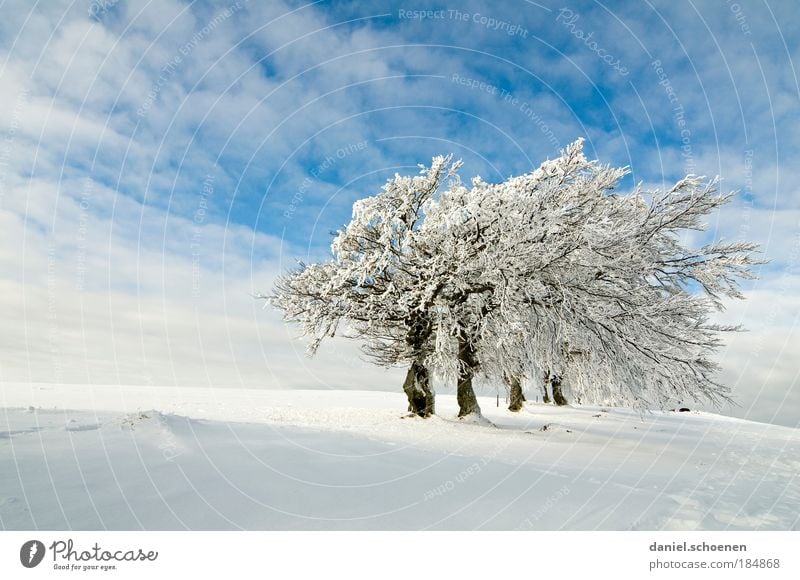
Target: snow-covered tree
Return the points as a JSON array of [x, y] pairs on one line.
[[550, 274], [380, 284], [510, 241], [591, 288]]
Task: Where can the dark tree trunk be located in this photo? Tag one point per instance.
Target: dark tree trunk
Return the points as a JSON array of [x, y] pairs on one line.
[[516, 398], [417, 386], [467, 365], [558, 394], [546, 397]]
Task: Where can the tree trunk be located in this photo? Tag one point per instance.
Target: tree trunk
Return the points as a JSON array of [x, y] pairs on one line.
[[515, 393], [546, 397], [558, 395], [417, 386], [467, 365]]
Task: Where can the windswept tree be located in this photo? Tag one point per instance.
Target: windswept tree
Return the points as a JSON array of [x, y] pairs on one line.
[[595, 290], [380, 284], [550, 274], [513, 241]]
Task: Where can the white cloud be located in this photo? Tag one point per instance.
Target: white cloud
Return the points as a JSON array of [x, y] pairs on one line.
[[760, 365], [84, 304]]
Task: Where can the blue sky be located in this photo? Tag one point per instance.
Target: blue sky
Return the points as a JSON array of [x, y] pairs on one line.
[[160, 161]]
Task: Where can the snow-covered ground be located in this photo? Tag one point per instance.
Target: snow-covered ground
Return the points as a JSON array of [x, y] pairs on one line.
[[174, 458]]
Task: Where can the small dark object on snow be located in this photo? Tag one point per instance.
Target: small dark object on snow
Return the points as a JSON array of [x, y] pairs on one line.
[[684, 410], [551, 426]]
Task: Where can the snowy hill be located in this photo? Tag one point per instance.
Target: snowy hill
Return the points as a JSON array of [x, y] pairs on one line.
[[175, 458]]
